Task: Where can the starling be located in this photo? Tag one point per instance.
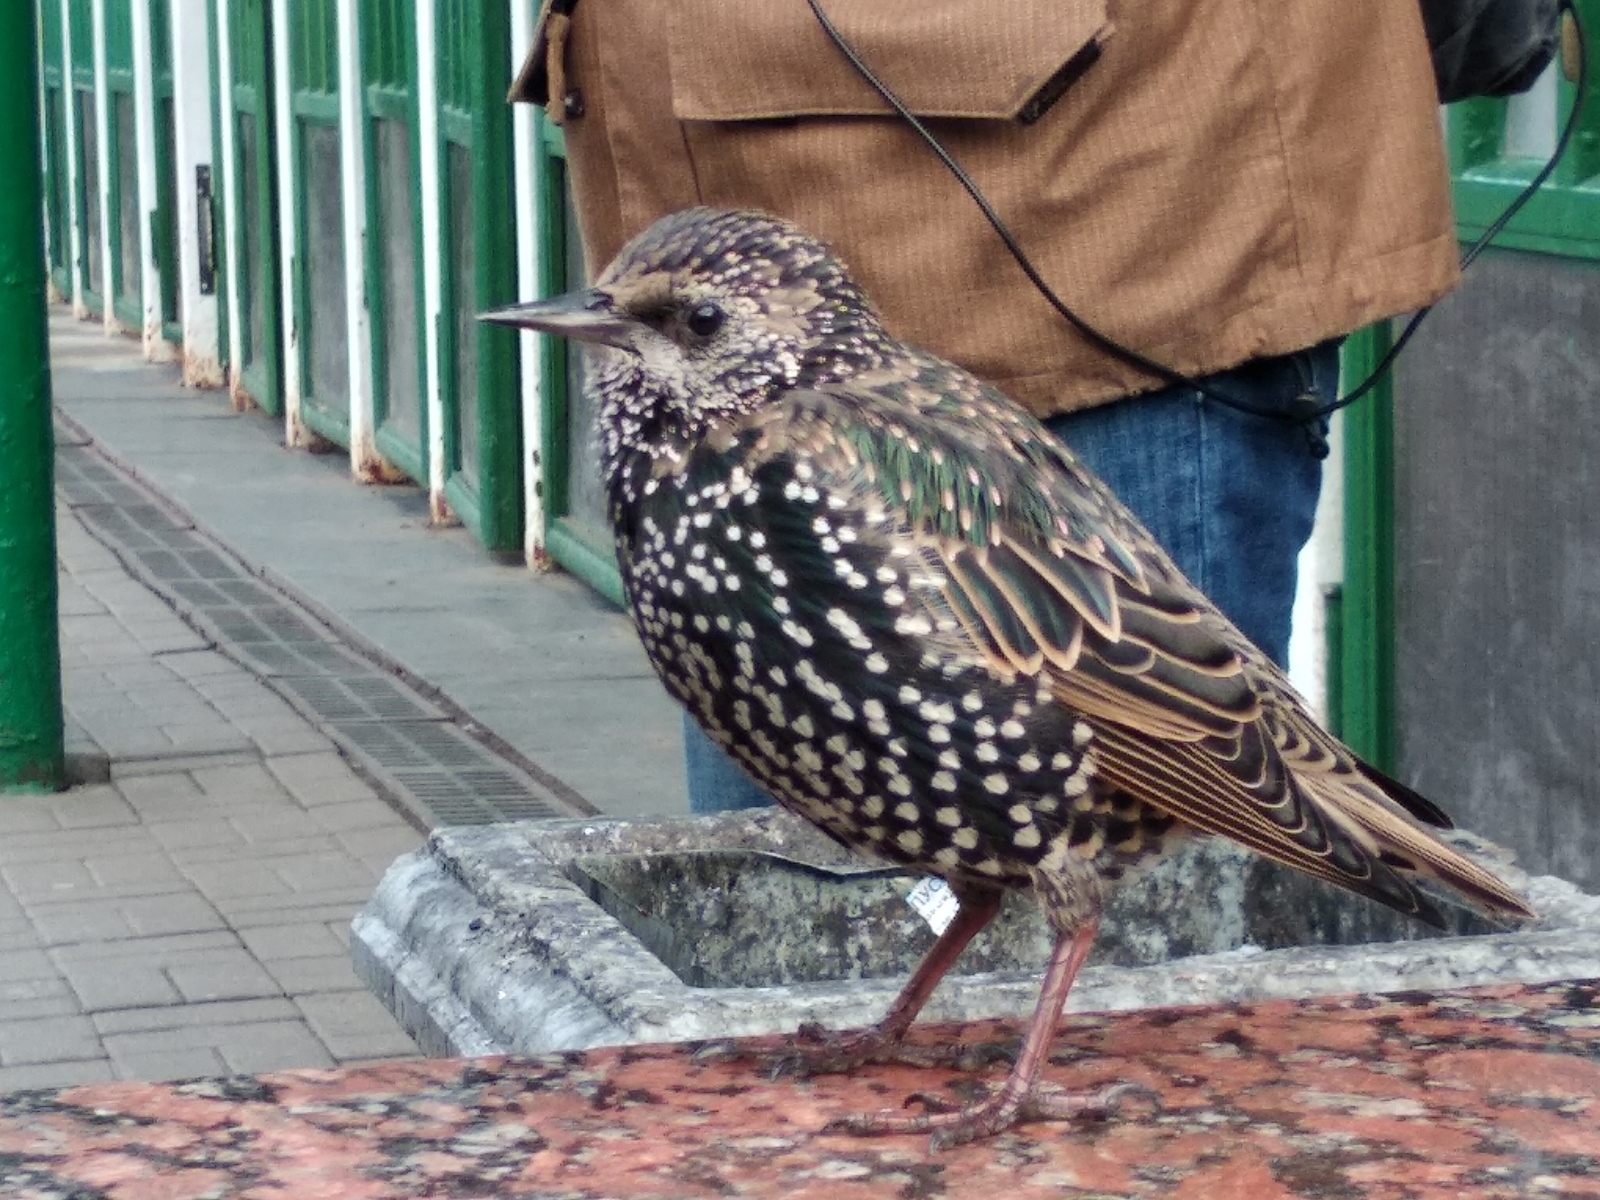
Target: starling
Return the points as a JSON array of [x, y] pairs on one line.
[[921, 624]]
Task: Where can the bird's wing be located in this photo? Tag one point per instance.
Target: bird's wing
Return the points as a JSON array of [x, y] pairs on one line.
[[1047, 575]]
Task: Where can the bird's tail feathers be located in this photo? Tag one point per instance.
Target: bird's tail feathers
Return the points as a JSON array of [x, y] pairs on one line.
[[1397, 842]]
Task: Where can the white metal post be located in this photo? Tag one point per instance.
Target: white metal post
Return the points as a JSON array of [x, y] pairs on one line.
[[432, 285], [526, 200], [191, 104], [294, 429], [156, 347], [365, 462], [75, 231], [102, 134], [234, 225]]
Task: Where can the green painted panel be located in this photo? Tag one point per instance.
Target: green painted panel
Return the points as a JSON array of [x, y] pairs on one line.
[[119, 38], [161, 46], [80, 15], [1365, 637], [387, 29], [50, 34], [575, 531], [482, 431], [394, 267], [454, 35], [248, 101], [314, 46]]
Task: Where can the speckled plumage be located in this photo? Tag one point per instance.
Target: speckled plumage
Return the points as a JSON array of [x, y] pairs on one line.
[[918, 621]]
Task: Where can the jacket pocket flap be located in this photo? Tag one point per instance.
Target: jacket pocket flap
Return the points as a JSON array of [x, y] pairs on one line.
[[733, 60]]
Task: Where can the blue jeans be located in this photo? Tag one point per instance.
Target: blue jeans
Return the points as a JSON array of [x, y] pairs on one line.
[[1230, 496]]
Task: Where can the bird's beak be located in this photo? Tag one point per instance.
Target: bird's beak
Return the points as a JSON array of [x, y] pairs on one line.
[[588, 316]]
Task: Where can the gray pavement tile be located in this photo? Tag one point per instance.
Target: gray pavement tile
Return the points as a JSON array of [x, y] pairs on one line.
[[318, 779], [186, 1016], [27, 814], [163, 790], [93, 807], [341, 930], [380, 847], [114, 982], [157, 1066], [239, 784], [202, 667], [222, 975], [244, 917], [36, 850], [181, 762], [240, 850], [25, 964], [234, 879], [152, 866], [263, 825], [31, 880], [157, 949], [142, 916], [18, 935], [48, 1039], [311, 872], [271, 1046], [307, 976], [298, 939], [37, 998], [196, 831], [55, 1075], [355, 1025], [352, 815], [281, 735]]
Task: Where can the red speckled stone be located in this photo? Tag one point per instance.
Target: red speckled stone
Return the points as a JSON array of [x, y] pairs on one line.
[[1487, 1094]]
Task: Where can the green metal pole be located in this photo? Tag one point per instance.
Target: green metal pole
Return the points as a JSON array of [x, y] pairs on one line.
[[30, 652]]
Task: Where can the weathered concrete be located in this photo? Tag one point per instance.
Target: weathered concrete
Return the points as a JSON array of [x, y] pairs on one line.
[[488, 940]]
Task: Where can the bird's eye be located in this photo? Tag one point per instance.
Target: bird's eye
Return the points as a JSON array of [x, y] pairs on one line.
[[704, 319]]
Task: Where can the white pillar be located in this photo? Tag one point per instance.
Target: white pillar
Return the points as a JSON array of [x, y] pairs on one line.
[[432, 285], [233, 223], [102, 134], [74, 230], [156, 347], [295, 431], [365, 462], [191, 103], [526, 201]]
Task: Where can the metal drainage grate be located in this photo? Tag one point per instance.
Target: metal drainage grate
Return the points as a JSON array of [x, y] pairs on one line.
[[411, 746]]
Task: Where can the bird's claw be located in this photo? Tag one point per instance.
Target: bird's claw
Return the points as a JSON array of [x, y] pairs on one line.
[[827, 1052], [951, 1125]]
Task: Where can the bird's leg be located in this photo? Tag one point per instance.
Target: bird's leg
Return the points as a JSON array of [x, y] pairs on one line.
[[1020, 1098], [831, 1052]]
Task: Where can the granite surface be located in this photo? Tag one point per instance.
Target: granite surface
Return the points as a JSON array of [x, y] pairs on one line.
[[1493, 1092]]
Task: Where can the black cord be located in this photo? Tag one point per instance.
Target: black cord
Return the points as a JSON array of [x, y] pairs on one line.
[[1303, 414]]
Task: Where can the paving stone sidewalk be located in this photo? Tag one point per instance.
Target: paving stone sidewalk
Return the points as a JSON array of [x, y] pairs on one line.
[[189, 914]]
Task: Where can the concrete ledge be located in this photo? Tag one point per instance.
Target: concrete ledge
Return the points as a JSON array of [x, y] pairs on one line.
[[483, 942]]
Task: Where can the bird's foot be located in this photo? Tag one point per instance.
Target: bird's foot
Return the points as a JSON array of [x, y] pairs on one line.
[[819, 1051], [952, 1125]]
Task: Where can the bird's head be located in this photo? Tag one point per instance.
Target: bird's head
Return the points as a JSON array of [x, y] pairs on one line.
[[714, 312]]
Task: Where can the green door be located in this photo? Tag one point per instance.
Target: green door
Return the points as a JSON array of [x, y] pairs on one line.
[[58, 184], [478, 371], [164, 223], [319, 284], [91, 265], [394, 233], [255, 344], [577, 533], [122, 167]]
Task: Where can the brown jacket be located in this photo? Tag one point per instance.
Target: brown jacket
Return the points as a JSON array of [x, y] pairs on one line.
[[1229, 179]]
